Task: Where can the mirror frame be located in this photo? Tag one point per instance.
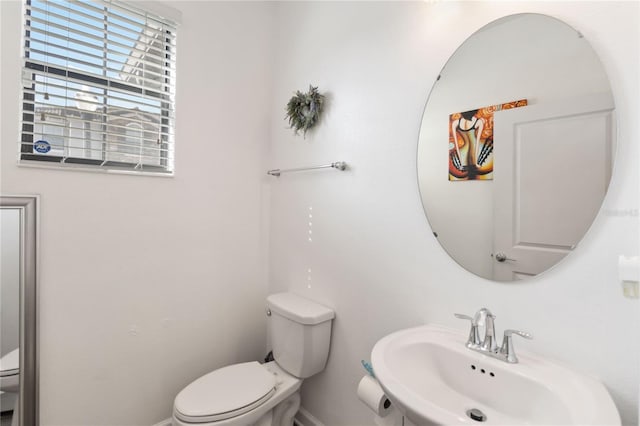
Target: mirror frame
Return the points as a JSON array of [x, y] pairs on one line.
[[28, 394]]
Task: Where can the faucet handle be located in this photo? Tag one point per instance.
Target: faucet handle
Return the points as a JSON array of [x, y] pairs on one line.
[[508, 333], [507, 348], [472, 339], [463, 316]]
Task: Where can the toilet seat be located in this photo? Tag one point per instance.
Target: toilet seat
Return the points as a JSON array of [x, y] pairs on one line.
[[225, 393], [10, 363]]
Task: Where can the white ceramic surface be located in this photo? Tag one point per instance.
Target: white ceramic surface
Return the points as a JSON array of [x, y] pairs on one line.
[[286, 388], [299, 309], [10, 363], [434, 379], [226, 392], [10, 372]]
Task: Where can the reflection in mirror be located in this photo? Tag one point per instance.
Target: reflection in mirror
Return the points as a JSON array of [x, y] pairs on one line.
[[9, 310], [18, 361], [516, 147]]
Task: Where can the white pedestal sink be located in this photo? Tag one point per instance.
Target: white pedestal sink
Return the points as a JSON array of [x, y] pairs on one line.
[[432, 378]]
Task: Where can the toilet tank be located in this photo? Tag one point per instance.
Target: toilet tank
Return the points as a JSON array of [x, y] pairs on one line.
[[300, 331]]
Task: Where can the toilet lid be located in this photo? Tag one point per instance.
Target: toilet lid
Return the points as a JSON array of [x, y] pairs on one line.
[[225, 393], [10, 363]]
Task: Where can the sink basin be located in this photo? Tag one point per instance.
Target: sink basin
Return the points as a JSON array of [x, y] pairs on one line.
[[432, 378]]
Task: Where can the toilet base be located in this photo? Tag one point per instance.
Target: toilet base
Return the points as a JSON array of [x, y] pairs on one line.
[[282, 414]]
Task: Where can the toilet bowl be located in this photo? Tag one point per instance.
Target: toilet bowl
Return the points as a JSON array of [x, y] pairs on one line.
[[10, 372], [237, 395], [253, 394], [10, 379]]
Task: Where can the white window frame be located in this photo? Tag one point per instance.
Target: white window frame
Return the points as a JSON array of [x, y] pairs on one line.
[[158, 88]]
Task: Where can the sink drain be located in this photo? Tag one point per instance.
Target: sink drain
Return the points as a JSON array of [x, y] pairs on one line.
[[477, 415]]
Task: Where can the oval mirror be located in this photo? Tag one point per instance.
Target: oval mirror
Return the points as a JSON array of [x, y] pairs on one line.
[[516, 147]]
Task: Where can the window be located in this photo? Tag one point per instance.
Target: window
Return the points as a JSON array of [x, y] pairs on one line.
[[98, 87]]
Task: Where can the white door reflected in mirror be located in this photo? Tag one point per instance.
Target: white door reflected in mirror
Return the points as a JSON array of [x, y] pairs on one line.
[[535, 217], [510, 198]]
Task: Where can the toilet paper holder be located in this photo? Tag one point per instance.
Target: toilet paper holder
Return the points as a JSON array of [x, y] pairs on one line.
[[372, 395]]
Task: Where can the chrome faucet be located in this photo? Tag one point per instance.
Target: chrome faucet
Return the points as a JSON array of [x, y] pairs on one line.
[[486, 330], [482, 336]]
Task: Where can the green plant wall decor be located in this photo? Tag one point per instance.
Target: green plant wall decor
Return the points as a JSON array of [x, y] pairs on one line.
[[304, 109]]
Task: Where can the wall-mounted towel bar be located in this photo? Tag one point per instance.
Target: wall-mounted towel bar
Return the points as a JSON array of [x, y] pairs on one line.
[[339, 165]]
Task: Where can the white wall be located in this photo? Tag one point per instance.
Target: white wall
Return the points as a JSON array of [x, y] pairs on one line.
[[372, 256], [147, 283]]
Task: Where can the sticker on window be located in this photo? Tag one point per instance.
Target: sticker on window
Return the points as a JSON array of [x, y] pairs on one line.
[[42, 146]]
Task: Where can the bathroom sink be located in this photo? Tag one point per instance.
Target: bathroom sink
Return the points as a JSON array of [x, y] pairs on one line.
[[433, 378]]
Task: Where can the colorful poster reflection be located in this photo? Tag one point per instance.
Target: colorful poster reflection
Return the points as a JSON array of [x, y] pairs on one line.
[[471, 142]]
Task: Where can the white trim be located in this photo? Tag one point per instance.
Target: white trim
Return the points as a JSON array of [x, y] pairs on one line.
[[159, 8], [165, 422], [82, 168], [305, 418]]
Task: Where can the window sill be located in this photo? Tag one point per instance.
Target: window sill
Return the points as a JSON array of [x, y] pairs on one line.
[[83, 168]]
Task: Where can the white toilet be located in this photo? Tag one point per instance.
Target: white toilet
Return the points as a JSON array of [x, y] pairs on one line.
[[253, 394], [10, 379]]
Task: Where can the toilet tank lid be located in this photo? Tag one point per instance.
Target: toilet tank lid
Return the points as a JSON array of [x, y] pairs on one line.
[[299, 309]]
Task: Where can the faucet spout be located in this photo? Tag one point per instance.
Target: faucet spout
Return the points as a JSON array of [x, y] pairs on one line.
[[485, 330]]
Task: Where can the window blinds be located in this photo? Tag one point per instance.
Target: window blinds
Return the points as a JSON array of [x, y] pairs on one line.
[[98, 86]]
